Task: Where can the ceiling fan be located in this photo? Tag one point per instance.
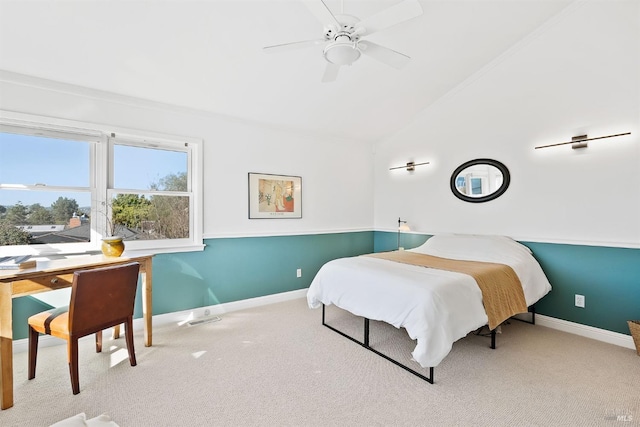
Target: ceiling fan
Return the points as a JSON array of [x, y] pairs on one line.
[[343, 37]]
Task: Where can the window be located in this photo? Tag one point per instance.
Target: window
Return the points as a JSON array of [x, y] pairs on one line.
[[63, 188], [46, 187], [150, 193], [476, 185]]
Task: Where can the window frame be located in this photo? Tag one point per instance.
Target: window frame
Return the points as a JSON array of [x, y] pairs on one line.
[[183, 147], [102, 139]]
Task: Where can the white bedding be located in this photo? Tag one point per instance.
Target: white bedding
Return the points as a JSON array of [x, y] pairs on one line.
[[436, 307]]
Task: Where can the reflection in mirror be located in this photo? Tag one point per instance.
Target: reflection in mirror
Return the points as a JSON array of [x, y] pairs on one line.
[[480, 180]]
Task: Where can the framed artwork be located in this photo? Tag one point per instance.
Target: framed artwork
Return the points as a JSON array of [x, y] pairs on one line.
[[274, 196]]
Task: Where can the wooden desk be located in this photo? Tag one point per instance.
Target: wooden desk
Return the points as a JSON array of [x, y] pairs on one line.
[[47, 276]]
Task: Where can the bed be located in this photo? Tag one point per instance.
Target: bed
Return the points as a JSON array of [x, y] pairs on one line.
[[436, 306]]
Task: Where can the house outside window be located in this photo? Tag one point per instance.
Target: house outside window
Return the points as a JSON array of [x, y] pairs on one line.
[[63, 188]]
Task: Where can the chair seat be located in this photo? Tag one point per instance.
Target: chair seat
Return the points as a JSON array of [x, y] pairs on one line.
[[52, 322]]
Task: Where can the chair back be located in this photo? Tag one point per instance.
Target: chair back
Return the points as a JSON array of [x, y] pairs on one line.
[[102, 298]]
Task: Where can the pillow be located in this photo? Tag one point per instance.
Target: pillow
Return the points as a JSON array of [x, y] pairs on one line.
[[472, 246]]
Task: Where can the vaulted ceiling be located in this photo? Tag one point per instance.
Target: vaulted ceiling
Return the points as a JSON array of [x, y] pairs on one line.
[[207, 55]]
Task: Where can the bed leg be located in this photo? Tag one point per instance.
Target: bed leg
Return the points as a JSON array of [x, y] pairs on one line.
[[366, 332], [532, 311], [533, 314], [323, 315], [493, 339]]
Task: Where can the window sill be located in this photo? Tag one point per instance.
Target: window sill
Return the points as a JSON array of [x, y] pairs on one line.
[[55, 254], [167, 250]]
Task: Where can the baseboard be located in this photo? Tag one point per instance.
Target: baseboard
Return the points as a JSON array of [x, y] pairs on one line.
[[180, 317], [603, 335]]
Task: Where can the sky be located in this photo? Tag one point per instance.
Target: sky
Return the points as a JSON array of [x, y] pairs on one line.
[[30, 160]]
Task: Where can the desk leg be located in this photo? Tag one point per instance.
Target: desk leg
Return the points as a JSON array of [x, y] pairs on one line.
[[147, 311], [6, 347]]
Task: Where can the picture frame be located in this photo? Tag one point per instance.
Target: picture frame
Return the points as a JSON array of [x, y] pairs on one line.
[[274, 196]]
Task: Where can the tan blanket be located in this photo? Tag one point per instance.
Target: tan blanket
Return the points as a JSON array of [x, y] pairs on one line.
[[502, 293]]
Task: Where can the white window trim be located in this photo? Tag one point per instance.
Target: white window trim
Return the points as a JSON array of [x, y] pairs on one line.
[[99, 175]]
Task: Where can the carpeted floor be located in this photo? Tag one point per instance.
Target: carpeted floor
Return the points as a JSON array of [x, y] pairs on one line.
[[277, 365]]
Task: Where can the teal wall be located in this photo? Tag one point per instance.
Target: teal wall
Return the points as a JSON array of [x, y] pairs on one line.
[[234, 269], [387, 241], [239, 268], [230, 269], [609, 278]]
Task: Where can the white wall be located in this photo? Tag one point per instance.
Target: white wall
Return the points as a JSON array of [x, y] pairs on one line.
[[337, 189], [579, 73]]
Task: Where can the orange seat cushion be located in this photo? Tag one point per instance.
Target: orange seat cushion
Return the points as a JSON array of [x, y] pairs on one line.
[[53, 322]]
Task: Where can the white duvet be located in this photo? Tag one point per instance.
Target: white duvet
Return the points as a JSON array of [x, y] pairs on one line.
[[436, 307]]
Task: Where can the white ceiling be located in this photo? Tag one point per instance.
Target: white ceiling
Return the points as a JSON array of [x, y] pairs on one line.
[[207, 55]]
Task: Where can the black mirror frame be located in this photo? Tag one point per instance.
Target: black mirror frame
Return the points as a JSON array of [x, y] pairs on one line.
[[506, 179]]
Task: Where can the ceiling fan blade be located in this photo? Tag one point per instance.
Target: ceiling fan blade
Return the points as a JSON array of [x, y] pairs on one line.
[[322, 12], [384, 54], [396, 14], [292, 45], [330, 73]]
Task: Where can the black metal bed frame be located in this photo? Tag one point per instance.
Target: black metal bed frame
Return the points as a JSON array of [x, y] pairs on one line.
[[429, 379]]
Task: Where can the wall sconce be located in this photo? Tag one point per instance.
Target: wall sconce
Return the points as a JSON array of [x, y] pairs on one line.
[[410, 166], [581, 141], [402, 226]]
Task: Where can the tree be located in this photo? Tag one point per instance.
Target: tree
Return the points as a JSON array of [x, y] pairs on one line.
[[171, 213], [17, 214], [171, 182], [63, 209], [160, 216], [171, 216], [129, 210], [12, 235], [39, 215]]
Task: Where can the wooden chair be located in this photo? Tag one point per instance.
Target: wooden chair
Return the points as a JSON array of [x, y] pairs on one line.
[[100, 299]]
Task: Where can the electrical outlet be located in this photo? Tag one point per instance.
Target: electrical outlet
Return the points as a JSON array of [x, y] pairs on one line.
[[299, 272], [580, 301]]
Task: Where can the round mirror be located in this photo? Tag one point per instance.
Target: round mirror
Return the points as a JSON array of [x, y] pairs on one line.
[[480, 180]]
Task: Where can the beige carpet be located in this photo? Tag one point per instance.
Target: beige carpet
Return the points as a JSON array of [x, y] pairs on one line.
[[277, 366]]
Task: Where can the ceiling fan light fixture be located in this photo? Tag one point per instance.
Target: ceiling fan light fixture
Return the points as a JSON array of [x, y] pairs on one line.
[[343, 35], [342, 51]]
